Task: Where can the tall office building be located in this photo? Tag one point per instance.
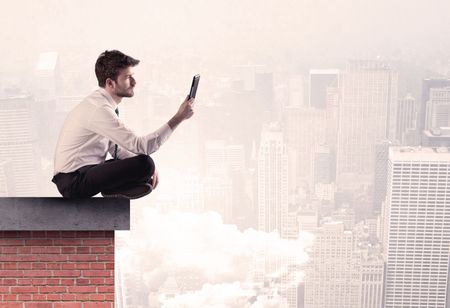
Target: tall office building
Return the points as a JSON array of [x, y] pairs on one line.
[[367, 114], [438, 108], [272, 181], [372, 277], [304, 129], [406, 120], [319, 82], [380, 173], [427, 85], [333, 278], [18, 143], [417, 223]]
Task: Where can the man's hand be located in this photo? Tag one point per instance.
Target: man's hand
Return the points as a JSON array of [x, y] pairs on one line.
[[155, 179], [185, 111]]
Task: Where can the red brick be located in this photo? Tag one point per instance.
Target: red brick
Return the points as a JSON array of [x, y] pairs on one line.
[[97, 242], [52, 289], [84, 282], [98, 249], [39, 242], [109, 281], [109, 265], [11, 242], [24, 250], [54, 234], [67, 282], [10, 266], [109, 297], [53, 297], [27, 289], [97, 297], [38, 305], [24, 297], [68, 234], [105, 289], [68, 266], [67, 273], [37, 266], [97, 266], [81, 297], [82, 266], [81, 234], [82, 289], [53, 281], [54, 266], [97, 233], [97, 281], [36, 234], [11, 273], [9, 250], [67, 242], [39, 282], [8, 282], [52, 258], [24, 266], [9, 297], [83, 249], [68, 297], [67, 250], [67, 305], [105, 258], [98, 305], [43, 249], [83, 258], [39, 297], [37, 273], [97, 274], [4, 290], [109, 249], [24, 282], [11, 305]]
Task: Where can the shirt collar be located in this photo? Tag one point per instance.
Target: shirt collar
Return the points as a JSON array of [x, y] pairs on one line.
[[111, 101]]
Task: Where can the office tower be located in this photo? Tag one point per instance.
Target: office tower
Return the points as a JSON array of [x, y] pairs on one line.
[[436, 137], [367, 114], [323, 165], [406, 120], [347, 215], [272, 181], [417, 223], [332, 119], [438, 108], [308, 220], [319, 82], [296, 91], [427, 85], [372, 275], [18, 143], [380, 173], [332, 279], [304, 129]]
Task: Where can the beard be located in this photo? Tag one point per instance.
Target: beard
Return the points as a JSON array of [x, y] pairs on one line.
[[125, 92]]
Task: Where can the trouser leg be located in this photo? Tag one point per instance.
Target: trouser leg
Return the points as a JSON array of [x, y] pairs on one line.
[[108, 176]]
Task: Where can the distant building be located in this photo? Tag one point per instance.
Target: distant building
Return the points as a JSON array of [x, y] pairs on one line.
[[417, 227], [436, 137], [319, 82], [406, 120], [427, 85], [438, 108]]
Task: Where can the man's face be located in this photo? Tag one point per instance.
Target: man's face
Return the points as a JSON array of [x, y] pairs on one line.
[[125, 83]]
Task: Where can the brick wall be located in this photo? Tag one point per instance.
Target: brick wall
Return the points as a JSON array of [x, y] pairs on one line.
[[56, 269]]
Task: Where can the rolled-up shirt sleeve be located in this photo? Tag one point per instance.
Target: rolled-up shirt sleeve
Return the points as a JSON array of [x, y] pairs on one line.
[[104, 122]]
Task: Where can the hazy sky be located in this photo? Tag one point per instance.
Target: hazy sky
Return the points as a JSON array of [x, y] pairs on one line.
[[320, 28]]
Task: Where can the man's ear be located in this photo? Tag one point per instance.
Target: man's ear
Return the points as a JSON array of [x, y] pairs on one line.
[[109, 82]]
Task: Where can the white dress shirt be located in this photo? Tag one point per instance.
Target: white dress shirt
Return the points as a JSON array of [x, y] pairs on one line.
[[92, 129]]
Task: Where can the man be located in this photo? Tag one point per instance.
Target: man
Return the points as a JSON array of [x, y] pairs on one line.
[[93, 128]]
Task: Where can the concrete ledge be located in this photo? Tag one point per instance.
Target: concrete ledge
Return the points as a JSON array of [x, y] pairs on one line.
[[55, 214]]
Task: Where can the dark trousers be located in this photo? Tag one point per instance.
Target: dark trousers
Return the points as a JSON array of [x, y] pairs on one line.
[[109, 176]]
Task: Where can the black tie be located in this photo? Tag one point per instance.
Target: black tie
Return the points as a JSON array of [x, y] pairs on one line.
[[115, 146]]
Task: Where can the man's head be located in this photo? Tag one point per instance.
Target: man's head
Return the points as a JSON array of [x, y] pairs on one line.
[[114, 72]]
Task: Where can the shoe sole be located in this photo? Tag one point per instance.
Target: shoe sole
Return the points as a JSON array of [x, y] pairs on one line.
[[122, 196]]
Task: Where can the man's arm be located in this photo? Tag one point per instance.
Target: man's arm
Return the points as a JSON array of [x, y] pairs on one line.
[[184, 112]]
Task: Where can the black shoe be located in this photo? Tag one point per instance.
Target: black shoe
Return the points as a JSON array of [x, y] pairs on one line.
[[133, 192]]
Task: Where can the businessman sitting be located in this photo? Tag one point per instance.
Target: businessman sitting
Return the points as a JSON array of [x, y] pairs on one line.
[[93, 128]]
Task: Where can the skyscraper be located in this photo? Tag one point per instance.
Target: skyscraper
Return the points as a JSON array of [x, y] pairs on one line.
[[406, 120], [417, 223], [428, 84], [438, 108], [18, 143], [367, 114], [319, 81], [272, 181]]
